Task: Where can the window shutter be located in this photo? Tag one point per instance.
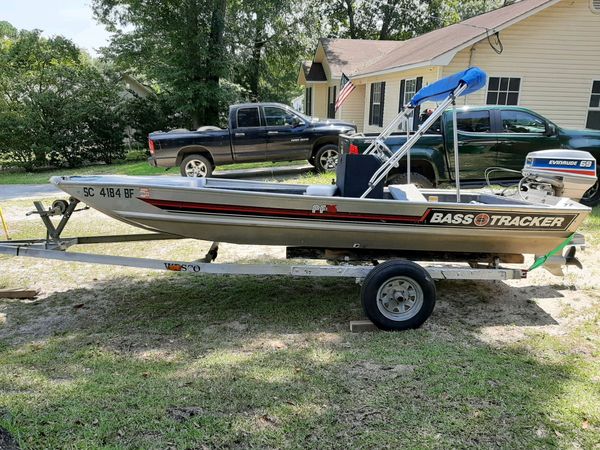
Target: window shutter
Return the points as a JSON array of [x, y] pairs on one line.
[[328, 99], [382, 105], [417, 113], [401, 101], [595, 5], [371, 107]]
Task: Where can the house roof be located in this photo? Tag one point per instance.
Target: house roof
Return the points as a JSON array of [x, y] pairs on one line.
[[352, 55], [358, 57], [316, 73], [429, 46]]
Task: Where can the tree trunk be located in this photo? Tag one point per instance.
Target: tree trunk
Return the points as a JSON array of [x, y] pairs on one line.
[[254, 69], [214, 64], [350, 12]]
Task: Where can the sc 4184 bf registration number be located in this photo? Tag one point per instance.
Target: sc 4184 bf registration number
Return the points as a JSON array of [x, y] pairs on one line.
[[500, 220]]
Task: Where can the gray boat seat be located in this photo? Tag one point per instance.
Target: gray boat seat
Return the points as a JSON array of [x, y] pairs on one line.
[[406, 192], [321, 190]]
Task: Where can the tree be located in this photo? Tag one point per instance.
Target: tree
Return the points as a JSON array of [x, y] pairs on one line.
[[55, 108], [179, 45]]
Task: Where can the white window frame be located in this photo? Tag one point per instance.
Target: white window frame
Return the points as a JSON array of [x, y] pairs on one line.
[[595, 6], [372, 105], [407, 97], [591, 108], [507, 91]]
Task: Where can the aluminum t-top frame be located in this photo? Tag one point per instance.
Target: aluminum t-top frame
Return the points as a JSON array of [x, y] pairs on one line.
[[379, 148]]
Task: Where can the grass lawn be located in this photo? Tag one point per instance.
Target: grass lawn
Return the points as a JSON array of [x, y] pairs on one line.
[[128, 168], [127, 358]]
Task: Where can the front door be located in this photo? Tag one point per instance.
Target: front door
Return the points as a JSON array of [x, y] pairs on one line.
[[248, 135], [476, 144], [522, 132], [286, 139]]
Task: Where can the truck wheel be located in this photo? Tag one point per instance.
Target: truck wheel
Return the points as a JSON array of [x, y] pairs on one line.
[[420, 181], [398, 295], [326, 159], [592, 196], [195, 166]]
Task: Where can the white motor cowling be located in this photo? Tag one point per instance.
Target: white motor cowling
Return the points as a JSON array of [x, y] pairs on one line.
[[560, 173]]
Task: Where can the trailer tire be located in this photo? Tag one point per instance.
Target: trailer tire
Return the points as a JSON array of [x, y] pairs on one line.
[[421, 181], [195, 166], [398, 295], [326, 158]]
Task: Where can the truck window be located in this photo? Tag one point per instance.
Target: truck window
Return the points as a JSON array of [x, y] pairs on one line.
[[248, 117], [521, 122], [473, 121], [277, 117]]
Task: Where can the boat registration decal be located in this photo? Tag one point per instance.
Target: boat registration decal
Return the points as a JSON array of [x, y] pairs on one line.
[[470, 219]]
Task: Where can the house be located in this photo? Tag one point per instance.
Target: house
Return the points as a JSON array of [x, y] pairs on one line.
[[540, 54]]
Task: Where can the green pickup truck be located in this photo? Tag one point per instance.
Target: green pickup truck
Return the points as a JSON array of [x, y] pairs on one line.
[[488, 136]]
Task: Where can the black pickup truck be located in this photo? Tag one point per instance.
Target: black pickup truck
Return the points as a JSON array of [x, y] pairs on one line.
[[256, 132], [488, 136]]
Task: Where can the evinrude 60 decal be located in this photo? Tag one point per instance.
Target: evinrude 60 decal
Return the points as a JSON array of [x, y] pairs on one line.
[[457, 218]]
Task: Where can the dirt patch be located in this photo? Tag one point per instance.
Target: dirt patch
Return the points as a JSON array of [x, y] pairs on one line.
[[183, 413], [7, 442], [368, 370]]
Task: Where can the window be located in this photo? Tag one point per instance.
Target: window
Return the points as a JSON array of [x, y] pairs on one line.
[[595, 6], [377, 103], [308, 101], [593, 117], [521, 122], [408, 89], [331, 94], [248, 117], [277, 117], [503, 91], [473, 121]]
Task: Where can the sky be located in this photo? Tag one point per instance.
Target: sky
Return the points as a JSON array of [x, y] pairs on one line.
[[70, 18]]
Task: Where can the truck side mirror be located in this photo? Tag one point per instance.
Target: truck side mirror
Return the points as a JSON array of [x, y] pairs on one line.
[[550, 129], [296, 122]]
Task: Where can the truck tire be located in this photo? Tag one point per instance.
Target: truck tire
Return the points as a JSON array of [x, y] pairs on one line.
[[420, 181], [326, 158], [398, 295], [195, 166], [592, 196]]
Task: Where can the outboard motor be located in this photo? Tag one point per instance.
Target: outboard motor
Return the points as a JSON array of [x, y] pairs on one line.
[[557, 173]]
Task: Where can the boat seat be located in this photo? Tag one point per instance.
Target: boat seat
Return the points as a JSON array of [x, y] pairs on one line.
[[321, 190], [406, 192]]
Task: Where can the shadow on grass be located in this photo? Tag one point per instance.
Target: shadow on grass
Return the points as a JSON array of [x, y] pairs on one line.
[[246, 362]]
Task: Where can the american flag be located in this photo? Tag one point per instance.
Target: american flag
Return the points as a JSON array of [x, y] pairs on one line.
[[346, 87]]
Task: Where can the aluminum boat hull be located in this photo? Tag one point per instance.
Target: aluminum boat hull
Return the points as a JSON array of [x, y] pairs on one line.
[[246, 212]]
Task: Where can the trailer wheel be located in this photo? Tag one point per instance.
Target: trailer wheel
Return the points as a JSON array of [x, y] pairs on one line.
[[195, 166], [398, 295]]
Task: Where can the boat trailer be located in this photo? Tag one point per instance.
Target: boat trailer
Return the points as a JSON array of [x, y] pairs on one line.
[[397, 294]]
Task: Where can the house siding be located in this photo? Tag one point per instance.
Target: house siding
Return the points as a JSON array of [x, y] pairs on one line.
[[392, 93], [352, 110], [555, 52], [320, 100]]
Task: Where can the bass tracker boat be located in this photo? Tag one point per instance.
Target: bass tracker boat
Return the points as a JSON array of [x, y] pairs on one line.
[[354, 219]]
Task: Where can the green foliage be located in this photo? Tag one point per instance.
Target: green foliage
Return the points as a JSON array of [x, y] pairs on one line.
[[55, 108]]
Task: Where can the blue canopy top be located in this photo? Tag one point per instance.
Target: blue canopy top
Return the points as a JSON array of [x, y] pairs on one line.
[[473, 77]]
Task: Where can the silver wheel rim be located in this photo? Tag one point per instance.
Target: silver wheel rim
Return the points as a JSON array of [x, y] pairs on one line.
[[196, 168], [329, 159], [400, 298]]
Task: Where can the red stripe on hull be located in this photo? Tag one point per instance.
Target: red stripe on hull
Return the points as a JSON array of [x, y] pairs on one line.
[[283, 212]]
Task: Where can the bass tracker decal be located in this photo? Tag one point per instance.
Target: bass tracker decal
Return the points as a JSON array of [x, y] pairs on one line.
[[522, 221]]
